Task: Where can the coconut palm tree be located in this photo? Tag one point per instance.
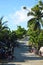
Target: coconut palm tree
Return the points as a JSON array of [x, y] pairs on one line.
[[37, 14], [35, 22]]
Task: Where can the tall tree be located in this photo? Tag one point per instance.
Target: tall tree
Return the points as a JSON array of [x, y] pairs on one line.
[[35, 22], [37, 14], [37, 17]]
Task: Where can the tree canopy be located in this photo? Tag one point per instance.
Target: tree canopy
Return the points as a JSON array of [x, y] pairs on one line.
[[34, 24], [20, 32]]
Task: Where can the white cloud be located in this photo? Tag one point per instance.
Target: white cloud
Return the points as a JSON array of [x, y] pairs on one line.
[[19, 16]]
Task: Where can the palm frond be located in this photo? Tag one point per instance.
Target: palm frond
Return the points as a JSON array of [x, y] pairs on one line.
[[4, 22], [1, 18], [37, 26], [30, 13], [31, 21], [40, 3], [4, 27], [35, 8], [41, 21], [42, 14]]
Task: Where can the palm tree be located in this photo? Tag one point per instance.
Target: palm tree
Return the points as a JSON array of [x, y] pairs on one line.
[[35, 22], [37, 14], [2, 26]]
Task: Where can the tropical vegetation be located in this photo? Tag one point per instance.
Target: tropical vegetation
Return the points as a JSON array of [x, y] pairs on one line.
[[34, 25]]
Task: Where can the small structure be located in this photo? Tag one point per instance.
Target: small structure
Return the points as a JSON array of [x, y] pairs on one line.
[[41, 51]]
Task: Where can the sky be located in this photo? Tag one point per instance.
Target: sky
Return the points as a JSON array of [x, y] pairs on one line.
[[13, 12]]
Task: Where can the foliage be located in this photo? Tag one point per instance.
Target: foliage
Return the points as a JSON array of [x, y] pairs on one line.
[[20, 32], [40, 38], [7, 36], [34, 24], [2, 26]]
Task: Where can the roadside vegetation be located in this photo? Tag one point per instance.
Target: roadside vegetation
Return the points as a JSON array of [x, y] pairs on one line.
[[35, 31]]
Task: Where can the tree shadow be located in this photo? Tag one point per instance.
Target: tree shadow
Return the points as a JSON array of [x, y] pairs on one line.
[[6, 62], [22, 54]]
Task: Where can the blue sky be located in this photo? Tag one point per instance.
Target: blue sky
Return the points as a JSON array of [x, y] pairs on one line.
[[13, 12]]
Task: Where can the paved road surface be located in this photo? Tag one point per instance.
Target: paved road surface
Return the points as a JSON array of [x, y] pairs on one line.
[[23, 57]]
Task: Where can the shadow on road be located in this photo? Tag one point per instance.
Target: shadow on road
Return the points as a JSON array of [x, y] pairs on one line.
[[22, 54]]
